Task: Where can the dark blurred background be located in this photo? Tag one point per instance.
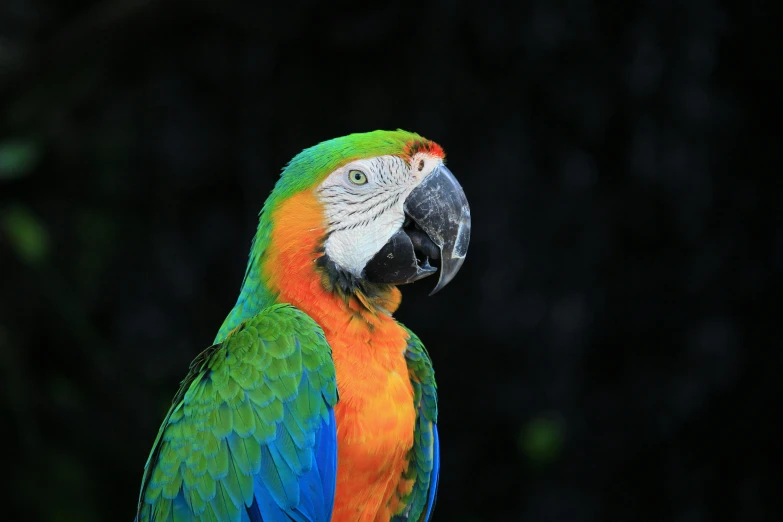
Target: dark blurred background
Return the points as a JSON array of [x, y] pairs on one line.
[[611, 349]]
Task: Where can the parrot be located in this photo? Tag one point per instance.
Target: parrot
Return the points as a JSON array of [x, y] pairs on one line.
[[314, 403]]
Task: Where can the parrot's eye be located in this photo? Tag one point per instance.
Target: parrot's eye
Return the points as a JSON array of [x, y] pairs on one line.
[[421, 165], [357, 177]]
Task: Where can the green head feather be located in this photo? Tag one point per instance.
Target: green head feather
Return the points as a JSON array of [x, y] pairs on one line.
[[311, 166]]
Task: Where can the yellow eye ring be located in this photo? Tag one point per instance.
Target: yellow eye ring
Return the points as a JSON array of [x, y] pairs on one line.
[[357, 177]]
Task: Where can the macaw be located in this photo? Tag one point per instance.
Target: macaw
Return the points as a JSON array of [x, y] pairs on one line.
[[314, 403]]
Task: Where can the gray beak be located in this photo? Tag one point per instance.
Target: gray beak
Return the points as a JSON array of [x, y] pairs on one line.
[[439, 207]]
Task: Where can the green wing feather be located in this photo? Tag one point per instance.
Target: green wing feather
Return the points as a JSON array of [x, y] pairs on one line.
[[424, 458], [248, 411]]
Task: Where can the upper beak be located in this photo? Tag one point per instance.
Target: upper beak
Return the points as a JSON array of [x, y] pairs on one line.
[[439, 206]]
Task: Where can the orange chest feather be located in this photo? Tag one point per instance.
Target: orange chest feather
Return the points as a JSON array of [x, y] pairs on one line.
[[375, 426], [375, 415]]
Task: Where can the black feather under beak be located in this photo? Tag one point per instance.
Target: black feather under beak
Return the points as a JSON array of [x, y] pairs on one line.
[[437, 228]]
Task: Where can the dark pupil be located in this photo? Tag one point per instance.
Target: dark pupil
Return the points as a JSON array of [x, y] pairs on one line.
[[357, 176]]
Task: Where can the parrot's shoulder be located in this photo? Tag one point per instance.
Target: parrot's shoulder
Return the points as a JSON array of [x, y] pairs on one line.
[[279, 335], [271, 382], [279, 320]]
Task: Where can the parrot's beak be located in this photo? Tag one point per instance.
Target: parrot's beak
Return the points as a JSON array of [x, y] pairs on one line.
[[439, 206], [438, 228]]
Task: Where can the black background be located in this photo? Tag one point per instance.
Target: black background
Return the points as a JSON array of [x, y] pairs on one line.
[[611, 347]]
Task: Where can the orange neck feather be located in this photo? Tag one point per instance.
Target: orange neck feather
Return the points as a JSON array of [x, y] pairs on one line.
[[290, 270]]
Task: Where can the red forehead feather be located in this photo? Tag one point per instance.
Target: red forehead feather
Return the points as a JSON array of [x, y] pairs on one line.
[[426, 146]]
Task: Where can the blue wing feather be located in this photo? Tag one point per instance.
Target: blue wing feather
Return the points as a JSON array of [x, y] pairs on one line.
[[316, 486]]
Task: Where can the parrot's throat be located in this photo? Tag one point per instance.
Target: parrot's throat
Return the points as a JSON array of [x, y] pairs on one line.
[[296, 269], [342, 283]]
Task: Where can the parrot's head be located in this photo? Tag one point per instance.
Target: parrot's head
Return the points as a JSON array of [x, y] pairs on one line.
[[389, 212]]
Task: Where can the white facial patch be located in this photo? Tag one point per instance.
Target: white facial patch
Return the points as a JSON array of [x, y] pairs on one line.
[[364, 210]]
